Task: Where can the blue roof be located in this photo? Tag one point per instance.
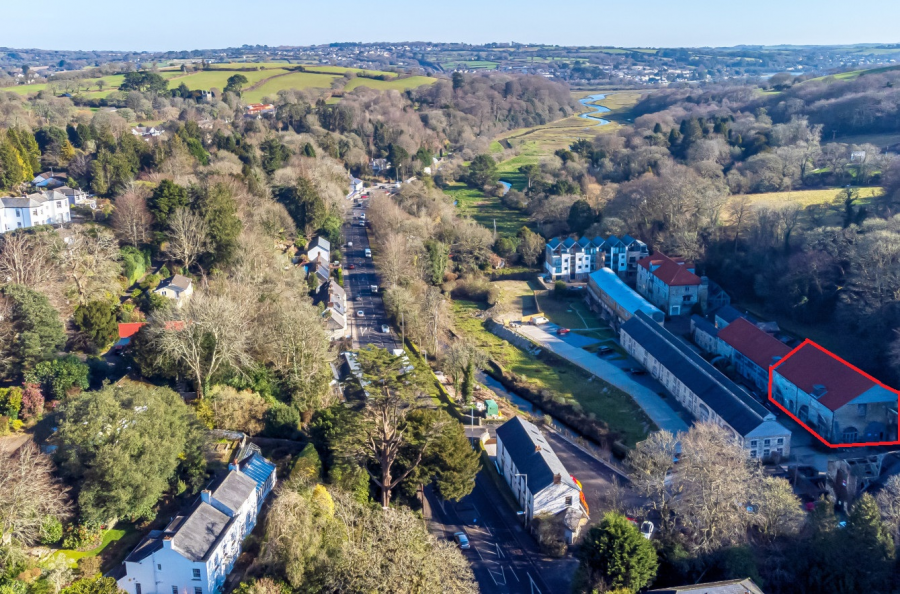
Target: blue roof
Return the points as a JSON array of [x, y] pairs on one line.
[[554, 242], [613, 241], [257, 468], [628, 239], [598, 241], [736, 407], [622, 294], [569, 242], [584, 242]]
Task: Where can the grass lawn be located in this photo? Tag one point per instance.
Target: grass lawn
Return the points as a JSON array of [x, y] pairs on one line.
[[208, 79], [486, 209], [807, 198], [343, 69], [109, 537], [608, 404]]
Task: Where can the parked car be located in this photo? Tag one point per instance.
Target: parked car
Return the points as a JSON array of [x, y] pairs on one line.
[[604, 350], [636, 371], [563, 331], [462, 540], [360, 314], [351, 266], [368, 253], [385, 328]]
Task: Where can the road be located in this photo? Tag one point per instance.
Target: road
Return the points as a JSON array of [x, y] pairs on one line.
[[503, 556], [647, 398], [358, 283]]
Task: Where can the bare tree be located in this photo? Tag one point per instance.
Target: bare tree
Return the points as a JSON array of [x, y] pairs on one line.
[[651, 461], [888, 499], [29, 493], [207, 335], [790, 217], [27, 258], [460, 356], [738, 209], [131, 219], [188, 237], [90, 260]]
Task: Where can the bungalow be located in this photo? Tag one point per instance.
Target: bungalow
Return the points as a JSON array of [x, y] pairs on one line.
[[751, 351], [839, 402], [49, 180], [670, 284], [319, 248], [615, 301], [197, 550], [702, 389], [126, 331], [44, 208], [178, 288], [539, 481]]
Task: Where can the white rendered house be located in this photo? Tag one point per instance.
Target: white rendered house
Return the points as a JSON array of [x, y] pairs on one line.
[[197, 550], [44, 208]]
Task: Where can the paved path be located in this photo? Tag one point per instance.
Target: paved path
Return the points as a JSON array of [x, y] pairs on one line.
[[655, 407]]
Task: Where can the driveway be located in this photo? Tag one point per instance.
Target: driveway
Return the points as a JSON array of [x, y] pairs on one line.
[[656, 408], [358, 283]]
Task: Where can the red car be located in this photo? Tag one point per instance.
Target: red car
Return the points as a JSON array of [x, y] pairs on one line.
[[351, 266], [563, 331]]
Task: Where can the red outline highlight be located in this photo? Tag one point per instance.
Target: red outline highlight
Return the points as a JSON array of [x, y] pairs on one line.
[[810, 429]]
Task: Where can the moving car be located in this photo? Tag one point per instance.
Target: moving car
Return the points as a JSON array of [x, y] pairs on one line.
[[563, 331], [368, 253], [462, 540], [360, 314]]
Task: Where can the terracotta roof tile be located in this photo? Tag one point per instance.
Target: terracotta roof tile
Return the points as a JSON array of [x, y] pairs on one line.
[[814, 366], [753, 343], [672, 271]]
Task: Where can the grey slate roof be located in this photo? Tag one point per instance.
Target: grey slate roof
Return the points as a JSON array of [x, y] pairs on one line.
[[704, 325], [200, 531], [719, 393], [234, 490], [522, 439], [728, 313], [319, 242]]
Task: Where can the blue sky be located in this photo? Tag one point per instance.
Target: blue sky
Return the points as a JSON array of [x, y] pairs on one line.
[[187, 24]]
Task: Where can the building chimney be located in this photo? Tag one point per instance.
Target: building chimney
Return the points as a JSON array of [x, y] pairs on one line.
[[537, 448], [557, 479], [205, 495]]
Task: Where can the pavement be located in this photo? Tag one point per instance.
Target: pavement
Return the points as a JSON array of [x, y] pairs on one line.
[[646, 397], [358, 283], [504, 557]]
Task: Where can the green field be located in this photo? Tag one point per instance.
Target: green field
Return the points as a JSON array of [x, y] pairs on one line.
[[471, 64], [293, 80], [401, 84], [343, 69], [486, 209], [208, 79], [607, 403]]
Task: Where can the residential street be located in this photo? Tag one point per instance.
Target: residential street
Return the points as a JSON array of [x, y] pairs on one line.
[[504, 557], [647, 398], [358, 283]]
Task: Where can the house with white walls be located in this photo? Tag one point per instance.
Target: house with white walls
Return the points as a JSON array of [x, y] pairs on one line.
[[538, 479], [197, 550], [43, 208]]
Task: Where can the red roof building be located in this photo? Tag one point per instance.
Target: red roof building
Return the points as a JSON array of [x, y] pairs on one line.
[[840, 403], [751, 350], [670, 283], [126, 331]]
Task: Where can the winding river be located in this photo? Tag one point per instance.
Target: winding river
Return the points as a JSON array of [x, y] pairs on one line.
[[592, 115]]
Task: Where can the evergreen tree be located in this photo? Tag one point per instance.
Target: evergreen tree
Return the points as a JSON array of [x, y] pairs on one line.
[[615, 554], [581, 216], [167, 197], [37, 330], [97, 320], [217, 205]]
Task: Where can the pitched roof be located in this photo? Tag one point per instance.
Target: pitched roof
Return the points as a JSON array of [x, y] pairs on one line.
[[728, 313], [744, 586], [130, 329], [761, 348], [319, 242], [672, 271], [257, 468], [198, 532], [733, 405], [234, 490], [621, 293], [812, 366], [704, 325], [532, 454], [177, 282]]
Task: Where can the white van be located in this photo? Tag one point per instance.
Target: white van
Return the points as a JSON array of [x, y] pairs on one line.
[[368, 253]]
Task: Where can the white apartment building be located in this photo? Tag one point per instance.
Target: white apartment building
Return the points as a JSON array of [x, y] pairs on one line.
[[41, 208]]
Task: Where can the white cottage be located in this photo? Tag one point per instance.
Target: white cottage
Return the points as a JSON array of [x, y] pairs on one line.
[[45, 208], [539, 481], [197, 550]]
